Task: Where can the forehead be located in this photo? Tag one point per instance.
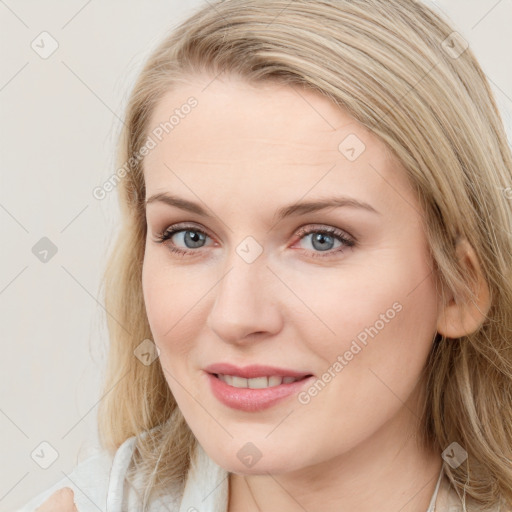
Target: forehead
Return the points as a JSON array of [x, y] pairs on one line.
[[252, 137], [258, 111]]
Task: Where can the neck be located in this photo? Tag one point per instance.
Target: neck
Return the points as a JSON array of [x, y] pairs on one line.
[[390, 471]]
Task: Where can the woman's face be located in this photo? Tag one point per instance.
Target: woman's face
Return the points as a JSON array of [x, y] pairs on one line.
[[354, 307]]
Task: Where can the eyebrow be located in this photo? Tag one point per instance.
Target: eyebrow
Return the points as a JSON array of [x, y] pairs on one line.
[[286, 211]]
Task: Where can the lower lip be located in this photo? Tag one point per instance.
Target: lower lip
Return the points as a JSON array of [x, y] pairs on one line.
[[253, 400]]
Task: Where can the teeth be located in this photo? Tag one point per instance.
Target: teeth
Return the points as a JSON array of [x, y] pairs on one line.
[[238, 382], [256, 383], [228, 379], [274, 381]]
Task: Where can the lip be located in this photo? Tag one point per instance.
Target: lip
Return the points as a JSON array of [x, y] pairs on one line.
[[254, 400], [253, 371]]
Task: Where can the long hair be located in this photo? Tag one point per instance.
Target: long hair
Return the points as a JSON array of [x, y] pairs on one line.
[[399, 69]]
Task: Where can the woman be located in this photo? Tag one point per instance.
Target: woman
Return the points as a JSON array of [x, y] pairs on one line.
[[310, 297]]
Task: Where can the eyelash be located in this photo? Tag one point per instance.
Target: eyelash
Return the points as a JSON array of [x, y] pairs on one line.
[[347, 242]]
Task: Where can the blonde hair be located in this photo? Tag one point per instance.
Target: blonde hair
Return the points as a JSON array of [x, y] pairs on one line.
[[394, 66]]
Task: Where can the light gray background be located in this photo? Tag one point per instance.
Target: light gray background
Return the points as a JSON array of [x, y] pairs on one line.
[[59, 122]]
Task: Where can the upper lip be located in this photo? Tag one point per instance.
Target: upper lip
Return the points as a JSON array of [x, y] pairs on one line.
[[253, 371]]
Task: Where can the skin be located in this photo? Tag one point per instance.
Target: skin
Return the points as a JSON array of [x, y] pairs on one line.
[[59, 501], [242, 153]]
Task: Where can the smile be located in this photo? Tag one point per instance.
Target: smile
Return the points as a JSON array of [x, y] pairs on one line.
[[257, 393], [256, 383]]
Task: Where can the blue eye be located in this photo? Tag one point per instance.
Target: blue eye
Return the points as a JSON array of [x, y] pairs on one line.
[[193, 238], [322, 239]]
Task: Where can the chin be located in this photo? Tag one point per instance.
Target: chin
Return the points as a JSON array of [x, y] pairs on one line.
[[276, 463]]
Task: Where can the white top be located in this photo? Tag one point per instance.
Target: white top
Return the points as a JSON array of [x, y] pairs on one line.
[[99, 485]]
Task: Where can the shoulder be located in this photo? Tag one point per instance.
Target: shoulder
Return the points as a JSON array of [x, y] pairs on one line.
[[93, 481], [100, 484]]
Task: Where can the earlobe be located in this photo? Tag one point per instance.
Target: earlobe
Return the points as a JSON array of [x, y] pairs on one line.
[[462, 317]]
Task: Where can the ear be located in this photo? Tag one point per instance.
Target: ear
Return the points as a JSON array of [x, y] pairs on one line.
[[458, 317]]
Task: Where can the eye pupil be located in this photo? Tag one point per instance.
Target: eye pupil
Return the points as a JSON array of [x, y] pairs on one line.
[[321, 238], [194, 237]]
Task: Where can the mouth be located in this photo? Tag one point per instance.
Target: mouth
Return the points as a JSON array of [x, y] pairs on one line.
[[254, 371], [255, 394], [262, 382]]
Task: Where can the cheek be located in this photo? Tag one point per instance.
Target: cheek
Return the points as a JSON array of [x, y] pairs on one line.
[[171, 303], [154, 288], [383, 329], [372, 315]]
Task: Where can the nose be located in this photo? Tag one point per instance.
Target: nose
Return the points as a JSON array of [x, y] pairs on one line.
[[246, 303]]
